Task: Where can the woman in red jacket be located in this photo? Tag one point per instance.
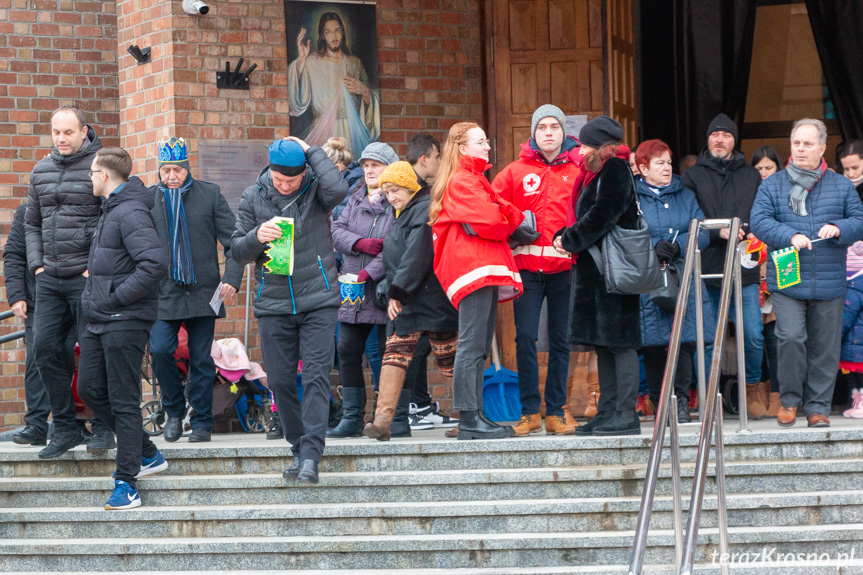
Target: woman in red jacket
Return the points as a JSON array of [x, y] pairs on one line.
[[476, 268]]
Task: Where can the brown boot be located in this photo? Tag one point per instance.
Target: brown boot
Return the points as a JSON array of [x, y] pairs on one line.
[[773, 404], [592, 399], [764, 392], [389, 390], [567, 410], [557, 425], [787, 416], [528, 424], [756, 409]]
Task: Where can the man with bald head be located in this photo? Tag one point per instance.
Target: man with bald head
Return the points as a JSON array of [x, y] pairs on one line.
[[59, 225]]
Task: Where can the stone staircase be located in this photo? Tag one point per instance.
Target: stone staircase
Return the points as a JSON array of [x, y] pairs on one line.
[[429, 506]]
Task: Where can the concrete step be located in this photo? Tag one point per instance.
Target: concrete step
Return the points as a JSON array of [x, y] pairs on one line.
[[226, 455], [446, 485], [549, 516], [460, 551], [842, 567]]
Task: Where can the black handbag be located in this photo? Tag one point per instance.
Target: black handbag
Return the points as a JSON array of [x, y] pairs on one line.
[[665, 297], [627, 260], [379, 297]]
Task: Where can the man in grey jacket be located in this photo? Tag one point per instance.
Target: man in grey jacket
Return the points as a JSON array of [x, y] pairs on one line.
[[193, 278], [296, 313]]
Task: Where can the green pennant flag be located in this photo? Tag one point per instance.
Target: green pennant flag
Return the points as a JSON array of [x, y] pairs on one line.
[[787, 262], [281, 251]]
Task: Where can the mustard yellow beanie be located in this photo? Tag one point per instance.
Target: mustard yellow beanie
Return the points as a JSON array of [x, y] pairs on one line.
[[401, 174]]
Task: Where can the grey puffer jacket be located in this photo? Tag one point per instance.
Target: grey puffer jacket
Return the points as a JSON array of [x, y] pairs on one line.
[[314, 283], [62, 211], [360, 219]]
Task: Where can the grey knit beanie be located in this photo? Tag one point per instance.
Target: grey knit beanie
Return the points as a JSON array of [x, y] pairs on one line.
[[547, 111], [380, 152]]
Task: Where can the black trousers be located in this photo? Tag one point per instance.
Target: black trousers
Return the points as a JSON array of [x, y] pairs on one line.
[[284, 340], [352, 345], [38, 405], [109, 381], [617, 368], [416, 378], [654, 366], [56, 316]]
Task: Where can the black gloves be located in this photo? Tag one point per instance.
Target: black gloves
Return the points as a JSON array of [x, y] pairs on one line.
[[667, 252]]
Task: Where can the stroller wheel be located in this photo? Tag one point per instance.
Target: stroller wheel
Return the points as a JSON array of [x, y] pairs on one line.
[[256, 419], [153, 417]]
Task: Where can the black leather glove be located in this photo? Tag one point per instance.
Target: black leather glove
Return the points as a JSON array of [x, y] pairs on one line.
[[667, 252]]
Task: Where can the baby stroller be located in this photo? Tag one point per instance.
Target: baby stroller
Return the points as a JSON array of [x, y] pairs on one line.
[[237, 384]]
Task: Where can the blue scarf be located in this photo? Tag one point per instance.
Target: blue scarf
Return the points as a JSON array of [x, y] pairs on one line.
[[182, 269]]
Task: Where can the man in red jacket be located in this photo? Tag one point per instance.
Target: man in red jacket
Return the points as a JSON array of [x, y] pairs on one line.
[[541, 182]]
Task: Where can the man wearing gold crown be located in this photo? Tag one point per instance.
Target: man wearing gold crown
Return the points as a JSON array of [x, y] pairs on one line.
[[191, 218]]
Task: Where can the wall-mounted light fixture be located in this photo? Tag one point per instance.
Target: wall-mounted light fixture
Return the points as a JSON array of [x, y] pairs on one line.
[[141, 56], [228, 80]]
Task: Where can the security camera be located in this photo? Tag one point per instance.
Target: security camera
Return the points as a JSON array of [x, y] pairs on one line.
[[195, 7]]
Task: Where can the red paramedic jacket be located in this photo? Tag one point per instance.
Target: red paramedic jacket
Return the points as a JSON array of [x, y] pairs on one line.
[[465, 263], [532, 183]]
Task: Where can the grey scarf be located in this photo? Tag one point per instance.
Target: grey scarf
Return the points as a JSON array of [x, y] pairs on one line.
[[803, 180]]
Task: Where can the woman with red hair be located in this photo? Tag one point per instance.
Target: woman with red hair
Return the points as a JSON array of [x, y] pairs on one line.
[[668, 207]]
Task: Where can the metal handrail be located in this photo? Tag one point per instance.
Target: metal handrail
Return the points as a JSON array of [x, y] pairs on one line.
[[710, 403]]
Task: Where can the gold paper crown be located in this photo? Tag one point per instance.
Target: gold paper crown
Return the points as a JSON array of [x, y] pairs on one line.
[[401, 174]]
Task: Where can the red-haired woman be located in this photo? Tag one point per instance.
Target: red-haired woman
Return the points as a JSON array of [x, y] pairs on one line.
[[604, 197], [474, 264], [668, 207]]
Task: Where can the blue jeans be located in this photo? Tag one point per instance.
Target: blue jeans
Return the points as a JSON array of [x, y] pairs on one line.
[[555, 289], [753, 337], [202, 370]]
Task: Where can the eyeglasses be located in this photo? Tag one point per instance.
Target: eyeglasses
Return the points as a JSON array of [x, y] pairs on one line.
[[91, 172]]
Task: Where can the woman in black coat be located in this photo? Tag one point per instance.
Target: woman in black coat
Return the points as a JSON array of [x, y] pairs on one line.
[[610, 323], [417, 302]]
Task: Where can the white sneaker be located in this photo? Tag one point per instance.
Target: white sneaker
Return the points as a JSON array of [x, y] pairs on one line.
[[433, 415], [418, 419]]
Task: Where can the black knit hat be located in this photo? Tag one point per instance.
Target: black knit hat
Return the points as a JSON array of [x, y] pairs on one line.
[[601, 130], [723, 123]]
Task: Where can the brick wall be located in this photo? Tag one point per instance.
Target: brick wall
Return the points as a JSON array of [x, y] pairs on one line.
[[52, 53], [60, 51]]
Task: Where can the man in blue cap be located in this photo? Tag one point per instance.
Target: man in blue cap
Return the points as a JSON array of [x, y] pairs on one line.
[[296, 313], [192, 217]]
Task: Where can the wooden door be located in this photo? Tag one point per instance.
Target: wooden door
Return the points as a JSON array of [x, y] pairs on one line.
[[621, 70], [542, 52]]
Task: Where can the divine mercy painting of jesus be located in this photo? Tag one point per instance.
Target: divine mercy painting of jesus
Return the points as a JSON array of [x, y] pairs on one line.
[[332, 75]]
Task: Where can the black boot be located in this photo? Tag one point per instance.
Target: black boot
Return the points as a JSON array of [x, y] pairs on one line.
[[683, 410], [598, 419], [308, 472], [275, 431], [472, 426], [401, 425], [621, 423], [509, 430], [103, 438], [30, 436], [173, 429], [353, 413]]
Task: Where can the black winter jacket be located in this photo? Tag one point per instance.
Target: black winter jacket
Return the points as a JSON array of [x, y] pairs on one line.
[[314, 283], [599, 318], [62, 211], [408, 258], [20, 281], [210, 222], [724, 189], [126, 263]]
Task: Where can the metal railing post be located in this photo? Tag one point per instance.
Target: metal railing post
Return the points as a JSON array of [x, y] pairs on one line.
[[674, 437], [739, 339], [661, 419], [710, 412], [699, 334], [721, 507]]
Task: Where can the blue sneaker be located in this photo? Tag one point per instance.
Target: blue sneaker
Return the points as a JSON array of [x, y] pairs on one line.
[[124, 496], [152, 465]]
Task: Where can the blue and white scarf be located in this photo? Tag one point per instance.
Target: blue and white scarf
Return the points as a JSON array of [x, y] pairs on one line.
[[182, 269]]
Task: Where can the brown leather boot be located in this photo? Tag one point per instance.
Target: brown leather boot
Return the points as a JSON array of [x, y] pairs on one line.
[[764, 392], [773, 404], [567, 410], [556, 425], [787, 416], [528, 424], [389, 390], [592, 398], [756, 409]]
